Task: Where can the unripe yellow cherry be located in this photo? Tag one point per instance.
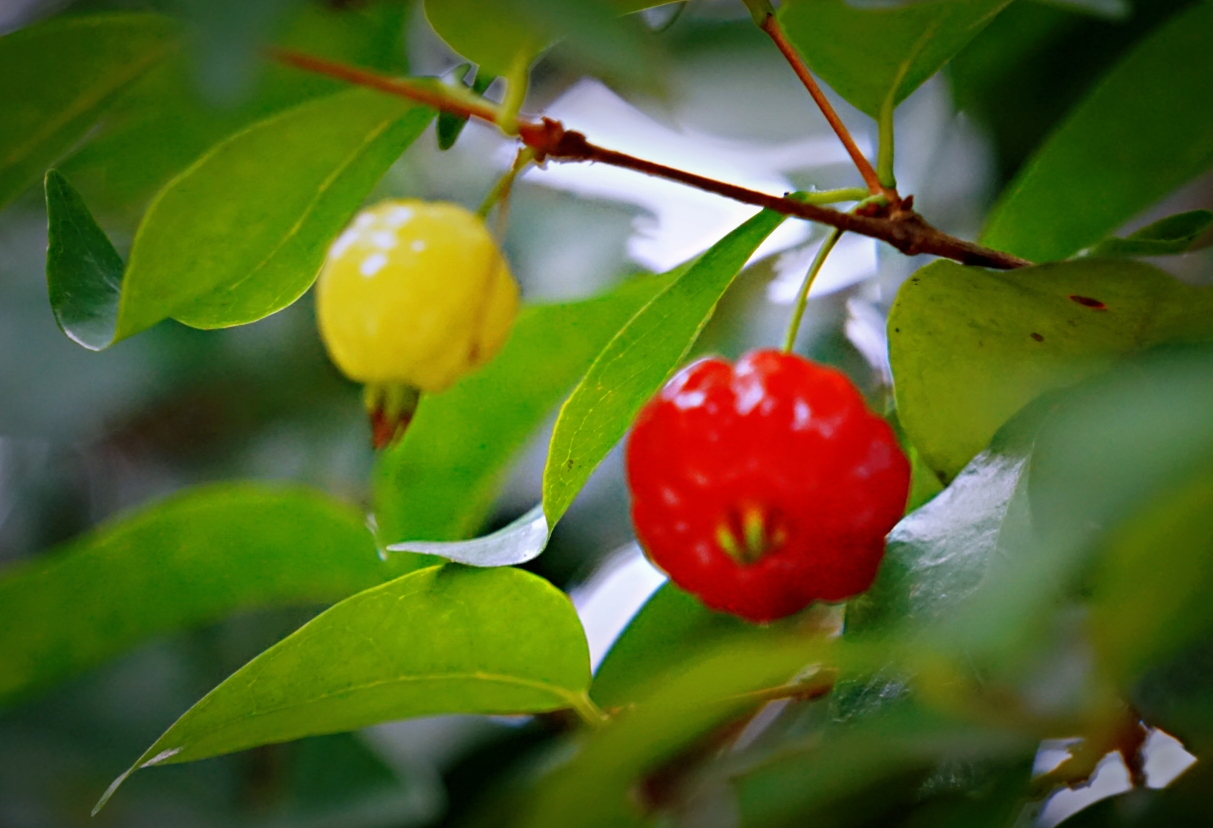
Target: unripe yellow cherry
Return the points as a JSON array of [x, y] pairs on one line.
[[414, 293]]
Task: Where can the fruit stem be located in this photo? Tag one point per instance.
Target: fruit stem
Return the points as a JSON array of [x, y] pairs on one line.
[[802, 298], [502, 189]]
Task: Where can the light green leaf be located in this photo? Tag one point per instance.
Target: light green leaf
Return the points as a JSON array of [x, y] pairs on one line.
[[671, 627], [242, 232], [439, 482], [638, 360], [441, 640], [59, 77], [877, 56], [193, 558], [1142, 132], [1174, 234], [970, 347]]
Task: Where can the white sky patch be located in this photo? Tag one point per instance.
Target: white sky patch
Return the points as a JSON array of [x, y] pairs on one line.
[[616, 592], [683, 221], [372, 264]]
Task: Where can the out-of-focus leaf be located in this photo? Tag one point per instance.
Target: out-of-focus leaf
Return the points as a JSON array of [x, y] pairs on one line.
[[591, 790], [59, 77], [194, 558], [211, 259], [1174, 234], [868, 772], [451, 125], [638, 360], [877, 56], [671, 627], [1140, 134], [500, 35], [163, 122], [439, 482], [519, 542], [445, 639], [1126, 468], [969, 347]]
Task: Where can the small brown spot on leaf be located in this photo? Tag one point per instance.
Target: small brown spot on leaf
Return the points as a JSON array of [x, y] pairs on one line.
[[1038, 337], [1088, 302]]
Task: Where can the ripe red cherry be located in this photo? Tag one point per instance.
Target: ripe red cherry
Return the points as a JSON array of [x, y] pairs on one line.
[[764, 486]]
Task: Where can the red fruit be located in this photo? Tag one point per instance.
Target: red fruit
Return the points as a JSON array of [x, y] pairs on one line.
[[766, 486]]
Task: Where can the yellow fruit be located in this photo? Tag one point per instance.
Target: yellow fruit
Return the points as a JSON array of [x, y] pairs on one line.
[[414, 293]]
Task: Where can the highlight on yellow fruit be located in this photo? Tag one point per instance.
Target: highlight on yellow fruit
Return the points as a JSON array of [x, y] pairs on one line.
[[414, 293]]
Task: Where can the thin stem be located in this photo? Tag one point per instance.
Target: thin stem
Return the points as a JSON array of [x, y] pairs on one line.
[[885, 152], [770, 25], [822, 197], [895, 223], [500, 194], [802, 298], [516, 82]]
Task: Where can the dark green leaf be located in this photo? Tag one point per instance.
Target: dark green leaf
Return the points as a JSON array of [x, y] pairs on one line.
[[1140, 134], [211, 259], [440, 481], [1174, 234], [877, 55], [449, 124], [446, 639], [970, 347], [194, 558], [83, 271], [869, 772], [59, 77], [638, 360], [671, 627]]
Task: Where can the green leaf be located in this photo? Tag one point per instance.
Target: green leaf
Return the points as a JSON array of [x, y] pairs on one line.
[[940, 553], [439, 482], [193, 558], [1140, 134], [970, 347], [441, 640], [522, 540], [83, 271], [503, 35], [592, 789], [638, 360], [59, 77], [243, 231], [671, 627], [876, 56], [1174, 234], [870, 772]]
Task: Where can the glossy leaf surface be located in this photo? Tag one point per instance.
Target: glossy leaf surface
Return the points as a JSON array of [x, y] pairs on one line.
[[970, 347], [445, 639], [439, 482], [1141, 133], [193, 558], [59, 77], [878, 55], [638, 360], [211, 260]]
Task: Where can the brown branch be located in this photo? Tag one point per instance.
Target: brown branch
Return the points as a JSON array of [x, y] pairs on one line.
[[897, 224], [770, 25]]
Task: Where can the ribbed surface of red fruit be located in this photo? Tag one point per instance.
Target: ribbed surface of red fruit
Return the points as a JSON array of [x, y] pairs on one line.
[[764, 486]]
